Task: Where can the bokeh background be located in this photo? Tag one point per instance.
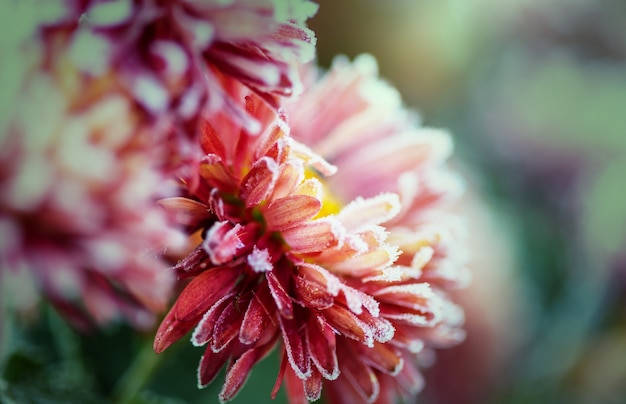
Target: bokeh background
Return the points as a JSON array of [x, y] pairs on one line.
[[534, 93]]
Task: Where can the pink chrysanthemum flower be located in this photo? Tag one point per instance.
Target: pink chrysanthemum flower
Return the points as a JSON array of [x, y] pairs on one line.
[[379, 147], [79, 181], [277, 260], [173, 57]]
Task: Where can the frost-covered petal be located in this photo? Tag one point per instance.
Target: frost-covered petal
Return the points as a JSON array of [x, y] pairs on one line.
[[284, 213], [313, 236]]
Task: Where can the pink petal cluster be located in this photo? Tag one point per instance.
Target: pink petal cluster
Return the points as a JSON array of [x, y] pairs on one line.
[[107, 97], [377, 147], [77, 210], [348, 280], [175, 57]]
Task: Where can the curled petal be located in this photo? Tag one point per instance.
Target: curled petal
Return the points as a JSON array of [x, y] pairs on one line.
[[194, 263], [224, 241]]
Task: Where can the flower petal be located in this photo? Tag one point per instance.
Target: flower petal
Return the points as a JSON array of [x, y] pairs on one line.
[[259, 182], [205, 328], [227, 326], [313, 236], [238, 373], [281, 298], [255, 320], [295, 347], [349, 325], [382, 357], [186, 212], [322, 346], [203, 292], [312, 294], [224, 241], [210, 365], [290, 176], [361, 213], [361, 376], [313, 386], [170, 331], [284, 213]]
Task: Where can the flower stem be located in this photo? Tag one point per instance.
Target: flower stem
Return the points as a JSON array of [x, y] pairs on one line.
[[137, 374]]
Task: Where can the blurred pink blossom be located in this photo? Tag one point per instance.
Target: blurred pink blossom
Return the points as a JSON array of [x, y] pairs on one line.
[[175, 57], [378, 146]]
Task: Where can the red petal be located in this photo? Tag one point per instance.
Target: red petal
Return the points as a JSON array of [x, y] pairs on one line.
[[254, 322], [186, 212], [410, 379], [195, 262], [313, 386], [203, 292], [222, 242], [239, 371], [210, 365], [284, 213], [212, 170], [204, 331], [360, 376], [322, 348], [349, 325], [259, 181], [313, 236], [294, 388], [382, 357], [279, 377], [170, 331], [281, 298], [210, 141], [227, 326], [295, 347], [312, 293]]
